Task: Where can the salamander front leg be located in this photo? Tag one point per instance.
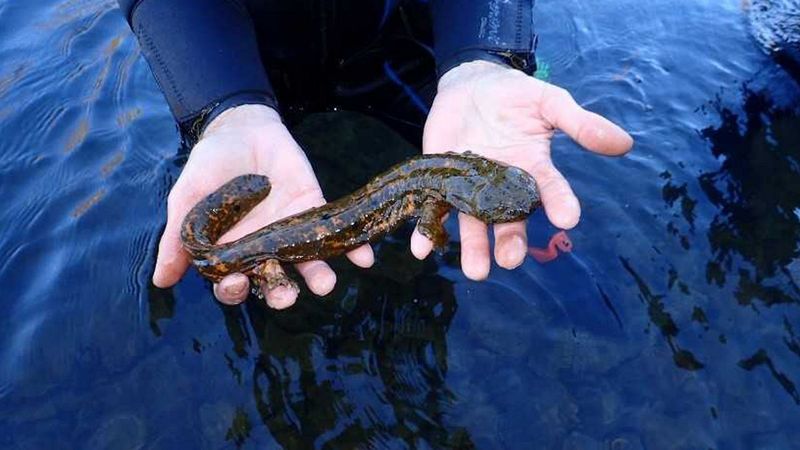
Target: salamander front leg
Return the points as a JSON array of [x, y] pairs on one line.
[[269, 276], [430, 222]]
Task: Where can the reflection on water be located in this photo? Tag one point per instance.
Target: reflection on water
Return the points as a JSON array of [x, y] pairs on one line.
[[754, 234], [757, 197], [376, 376], [663, 320], [672, 322], [761, 358]]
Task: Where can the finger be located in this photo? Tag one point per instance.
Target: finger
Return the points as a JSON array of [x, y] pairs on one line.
[[232, 289], [362, 256], [474, 247], [592, 131], [560, 204], [510, 244], [284, 291], [281, 297], [421, 246], [318, 275], [172, 260]]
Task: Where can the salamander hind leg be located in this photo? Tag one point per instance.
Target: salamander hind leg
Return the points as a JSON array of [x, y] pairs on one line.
[[430, 222], [269, 276]]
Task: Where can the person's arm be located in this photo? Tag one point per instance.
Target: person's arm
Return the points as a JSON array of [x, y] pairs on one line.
[[204, 55], [499, 31], [487, 102]]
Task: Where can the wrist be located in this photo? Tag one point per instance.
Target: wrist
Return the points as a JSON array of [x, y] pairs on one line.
[[243, 117], [469, 71]]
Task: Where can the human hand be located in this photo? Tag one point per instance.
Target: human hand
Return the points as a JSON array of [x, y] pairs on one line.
[[242, 140], [505, 115]]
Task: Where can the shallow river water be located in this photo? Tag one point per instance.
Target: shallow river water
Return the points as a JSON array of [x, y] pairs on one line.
[[673, 323]]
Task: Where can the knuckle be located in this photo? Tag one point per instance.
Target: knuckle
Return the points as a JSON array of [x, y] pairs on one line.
[[560, 93], [555, 187]]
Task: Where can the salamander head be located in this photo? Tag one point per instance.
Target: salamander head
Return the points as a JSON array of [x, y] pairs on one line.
[[494, 193]]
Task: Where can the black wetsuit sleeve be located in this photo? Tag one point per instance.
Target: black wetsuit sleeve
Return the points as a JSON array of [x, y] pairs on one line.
[[204, 55], [491, 30]]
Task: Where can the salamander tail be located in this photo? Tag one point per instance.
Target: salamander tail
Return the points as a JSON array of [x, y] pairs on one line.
[[221, 210]]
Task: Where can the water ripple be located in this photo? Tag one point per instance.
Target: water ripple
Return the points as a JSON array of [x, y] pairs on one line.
[[568, 353]]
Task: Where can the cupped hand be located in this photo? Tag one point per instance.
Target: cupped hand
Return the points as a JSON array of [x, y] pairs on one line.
[[242, 140], [506, 115]]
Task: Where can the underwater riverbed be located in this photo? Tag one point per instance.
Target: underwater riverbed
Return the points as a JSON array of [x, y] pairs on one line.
[[673, 323]]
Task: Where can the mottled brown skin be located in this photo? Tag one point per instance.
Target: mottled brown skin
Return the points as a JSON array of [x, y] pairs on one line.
[[425, 187]]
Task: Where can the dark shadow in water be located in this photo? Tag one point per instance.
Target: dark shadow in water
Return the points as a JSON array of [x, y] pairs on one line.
[[754, 235], [762, 358], [758, 199], [240, 429], [674, 193], [373, 377], [659, 316], [366, 365], [755, 231], [236, 324], [161, 305], [791, 341]]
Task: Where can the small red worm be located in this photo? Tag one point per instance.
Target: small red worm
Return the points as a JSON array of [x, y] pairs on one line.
[[559, 241]]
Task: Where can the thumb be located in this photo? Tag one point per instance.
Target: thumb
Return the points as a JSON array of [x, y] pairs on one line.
[[172, 260]]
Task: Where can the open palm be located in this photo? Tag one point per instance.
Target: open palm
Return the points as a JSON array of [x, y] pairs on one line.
[[505, 115], [243, 140]]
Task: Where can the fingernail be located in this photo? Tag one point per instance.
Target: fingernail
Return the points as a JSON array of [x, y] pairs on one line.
[[158, 279], [281, 297], [474, 266], [512, 252], [325, 284], [420, 245], [234, 290], [236, 286]]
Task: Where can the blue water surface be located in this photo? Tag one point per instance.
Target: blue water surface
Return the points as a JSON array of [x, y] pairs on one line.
[[674, 322]]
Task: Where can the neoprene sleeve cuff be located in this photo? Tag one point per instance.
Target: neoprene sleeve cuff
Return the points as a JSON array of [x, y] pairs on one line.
[[204, 55], [491, 30]]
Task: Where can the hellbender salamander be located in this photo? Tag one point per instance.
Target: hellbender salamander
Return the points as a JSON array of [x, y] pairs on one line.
[[424, 187]]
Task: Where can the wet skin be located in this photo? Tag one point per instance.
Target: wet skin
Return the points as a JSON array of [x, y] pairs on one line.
[[424, 187]]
